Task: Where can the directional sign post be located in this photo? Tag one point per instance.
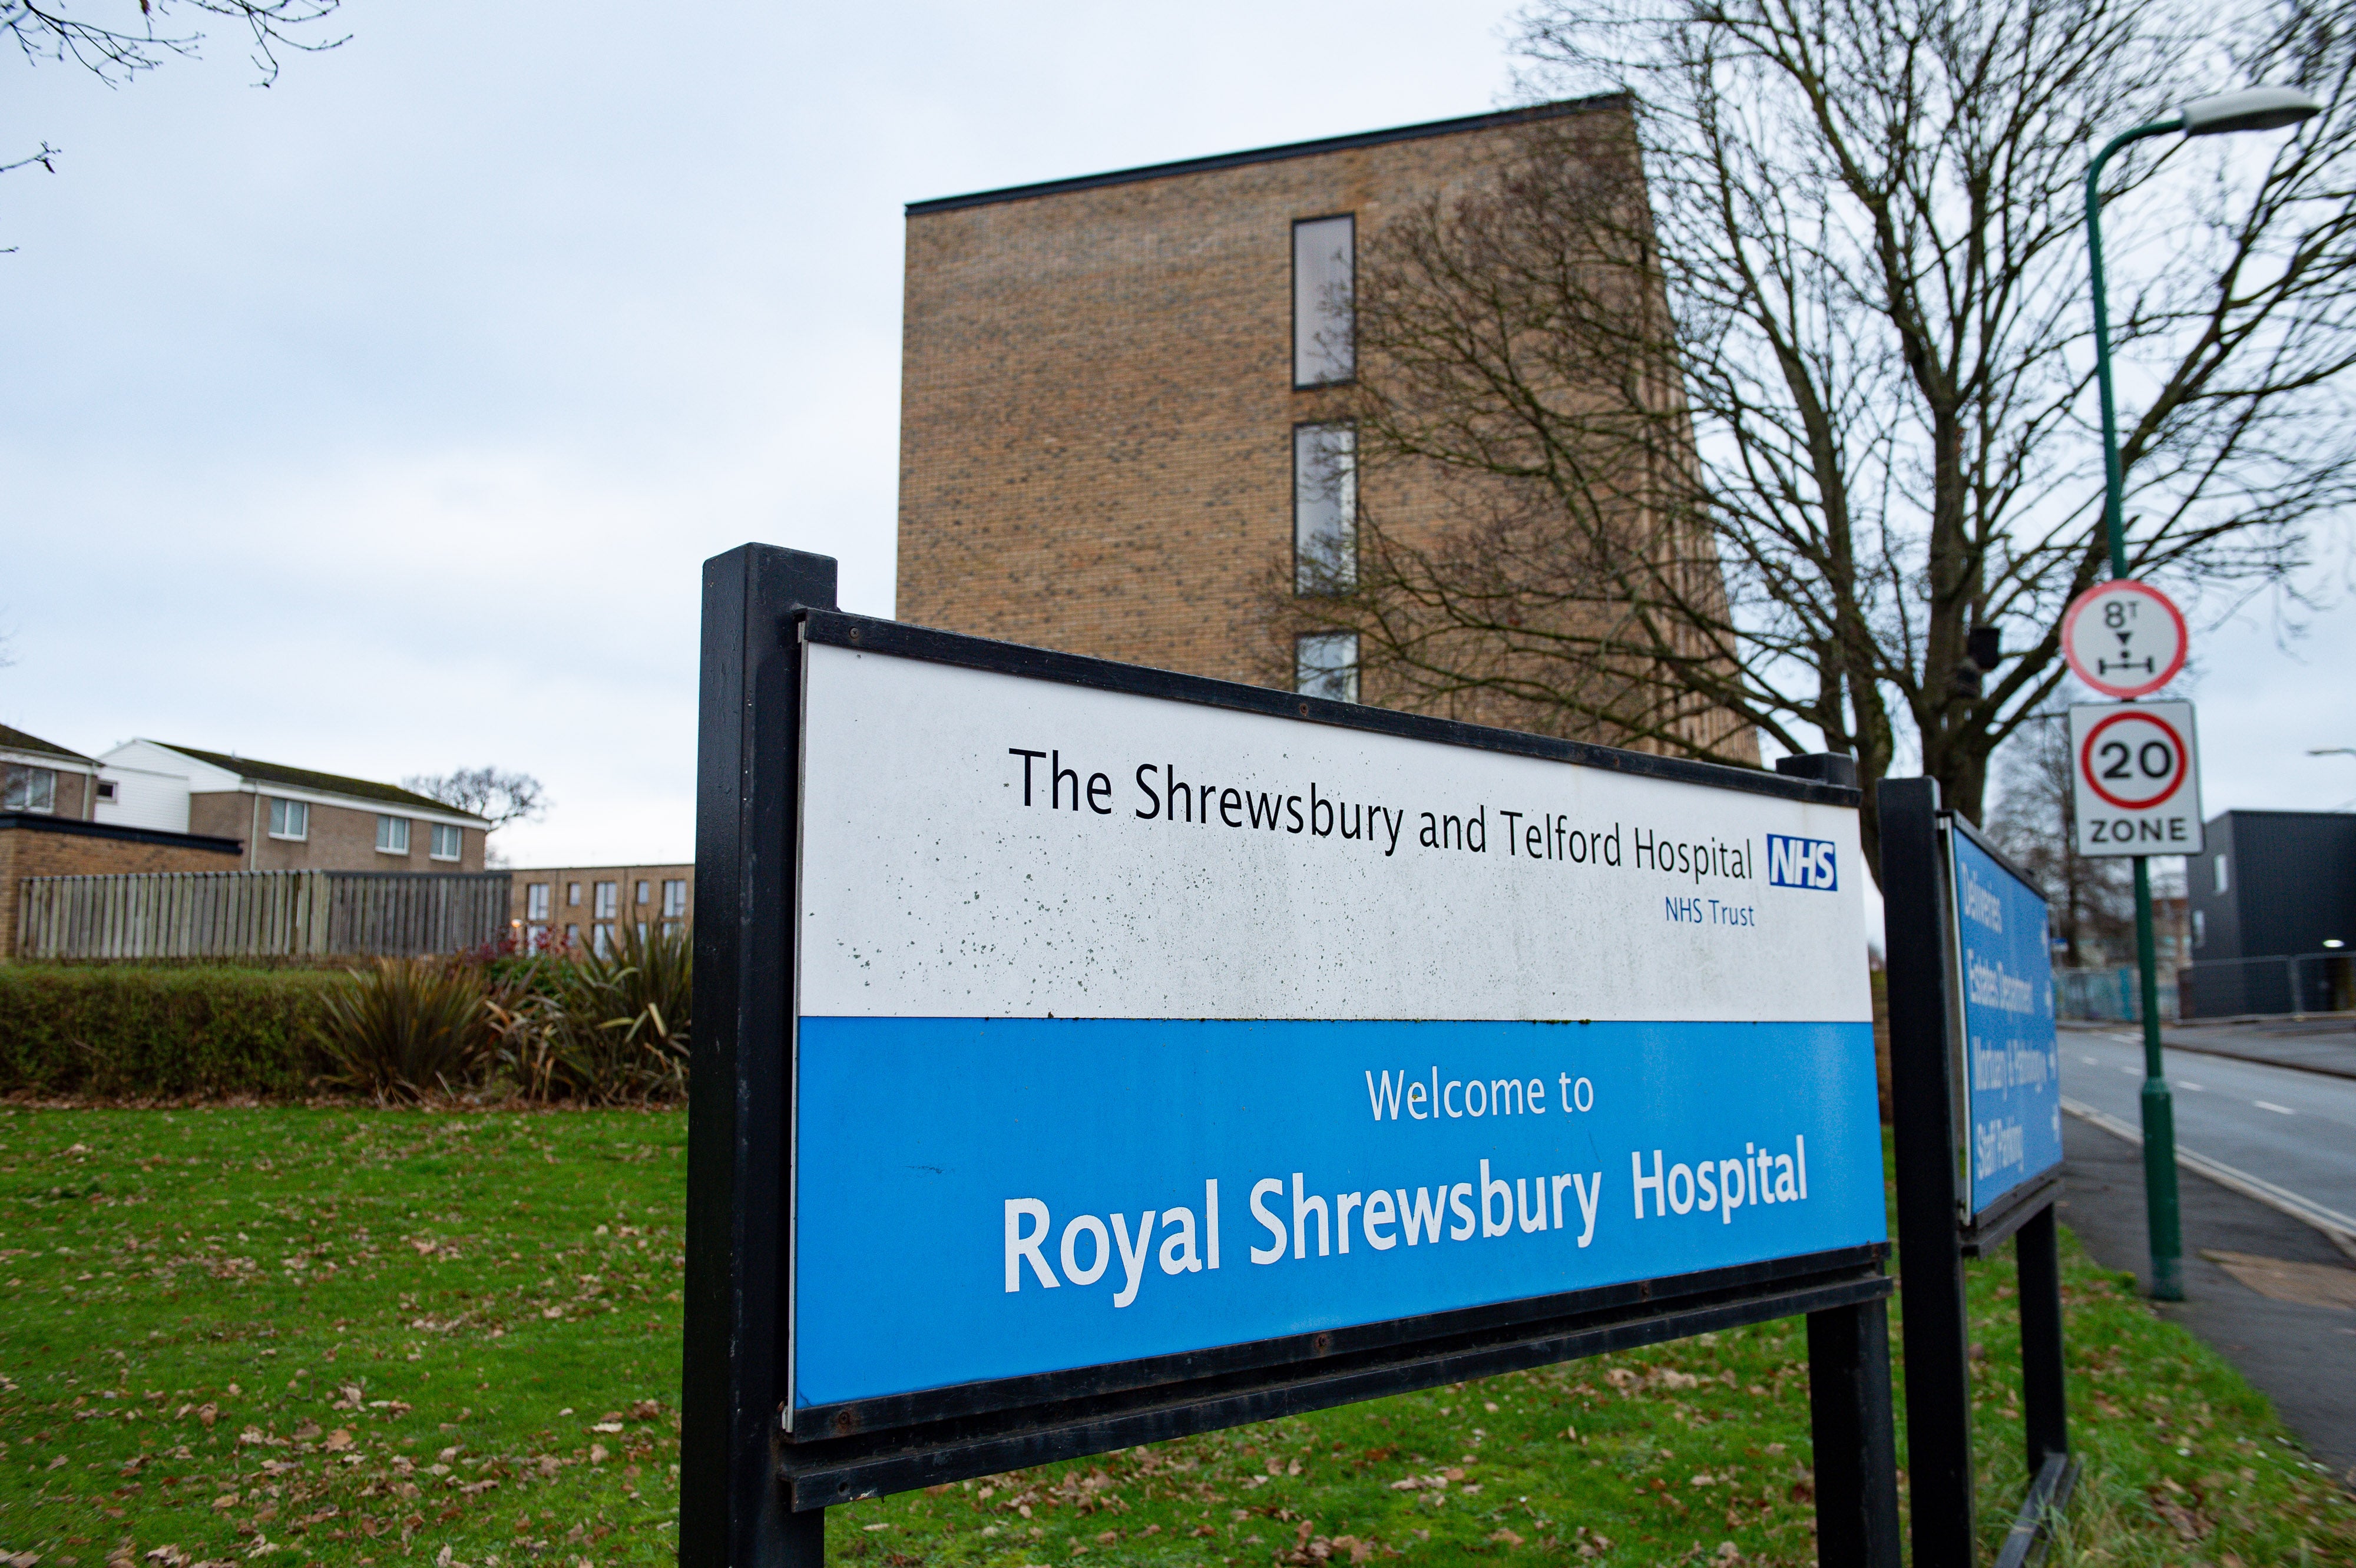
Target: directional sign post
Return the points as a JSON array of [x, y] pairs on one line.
[[1087, 1056], [2136, 778]]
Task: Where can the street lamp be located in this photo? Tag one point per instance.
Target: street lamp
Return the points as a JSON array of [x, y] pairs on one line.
[[2252, 109]]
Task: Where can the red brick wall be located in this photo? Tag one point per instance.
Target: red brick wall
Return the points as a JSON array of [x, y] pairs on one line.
[[1097, 403], [29, 852]]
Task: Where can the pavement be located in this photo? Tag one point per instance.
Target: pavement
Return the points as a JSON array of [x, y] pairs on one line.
[[2292, 1128]]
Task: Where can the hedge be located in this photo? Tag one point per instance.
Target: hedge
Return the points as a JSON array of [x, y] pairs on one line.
[[136, 1031]]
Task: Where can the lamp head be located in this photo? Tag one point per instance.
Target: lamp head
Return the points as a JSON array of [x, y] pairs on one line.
[[2252, 109]]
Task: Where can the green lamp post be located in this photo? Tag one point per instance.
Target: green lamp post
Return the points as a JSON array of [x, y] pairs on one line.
[[2253, 109]]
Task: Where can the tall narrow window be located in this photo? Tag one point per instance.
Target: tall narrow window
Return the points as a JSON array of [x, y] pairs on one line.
[[2224, 881], [535, 901], [392, 836], [1325, 507], [645, 889], [674, 898], [1325, 664], [609, 899], [1324, 312]]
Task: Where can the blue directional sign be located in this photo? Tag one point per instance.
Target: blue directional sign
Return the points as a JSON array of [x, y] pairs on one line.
[[2012, 1059]]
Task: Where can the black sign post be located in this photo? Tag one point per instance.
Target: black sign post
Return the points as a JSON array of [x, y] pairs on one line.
[[1938, 1226], [757, 1471]]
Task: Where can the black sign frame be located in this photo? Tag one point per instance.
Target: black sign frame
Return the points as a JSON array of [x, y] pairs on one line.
[[1936, 1231], [751, 1492]]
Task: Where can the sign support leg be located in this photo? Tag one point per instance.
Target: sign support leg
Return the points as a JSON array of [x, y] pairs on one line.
[[1929, 1253], [732, 1510], [2158, 1112], [1850, 1419], [2044, 1408]]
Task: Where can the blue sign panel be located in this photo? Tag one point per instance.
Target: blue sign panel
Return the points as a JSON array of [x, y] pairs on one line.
[[987, 1198], [2012, 1059]]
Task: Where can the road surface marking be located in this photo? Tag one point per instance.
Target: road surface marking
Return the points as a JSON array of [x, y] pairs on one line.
[[2270, 1105], [2183, 1083], [2093, 1061]]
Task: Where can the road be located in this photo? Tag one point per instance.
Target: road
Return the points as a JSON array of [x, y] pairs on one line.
[[2297, 1130]]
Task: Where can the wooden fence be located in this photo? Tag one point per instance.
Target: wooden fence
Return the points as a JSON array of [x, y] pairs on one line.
[[247, 914]]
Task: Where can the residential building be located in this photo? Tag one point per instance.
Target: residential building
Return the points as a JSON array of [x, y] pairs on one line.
[[1127, 399], [583, 905], [289, 819], [42, 778], [48, 795]]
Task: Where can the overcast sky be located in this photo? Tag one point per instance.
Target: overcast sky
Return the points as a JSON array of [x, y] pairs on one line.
[[378, 422]]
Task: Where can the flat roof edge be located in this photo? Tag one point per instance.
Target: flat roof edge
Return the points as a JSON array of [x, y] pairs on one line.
[[1601, 100]]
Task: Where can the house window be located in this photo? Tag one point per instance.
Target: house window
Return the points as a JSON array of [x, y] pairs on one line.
[[106, 790], [25, 788], [2199, 928], [572, 895], [445, 843], [1325, 664], [572, 936], [675, 898], [646, 893], [602, 940], [535, 901], [289, 820], [392, 836], [1325, 314], [2217, 866], [535, 937], [1325, 507], [609, 899], [642, 931]]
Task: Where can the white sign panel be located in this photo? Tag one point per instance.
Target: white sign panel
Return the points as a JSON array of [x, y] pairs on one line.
[[2136, 776], [1144, 857], [2124, 639]]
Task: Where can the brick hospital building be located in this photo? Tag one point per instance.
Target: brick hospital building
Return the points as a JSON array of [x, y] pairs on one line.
[[1126, 398]]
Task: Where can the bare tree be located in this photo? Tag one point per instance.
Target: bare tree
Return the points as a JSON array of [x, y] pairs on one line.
[[1760, 414], [53, 30], [2035, 820], [499, 798]]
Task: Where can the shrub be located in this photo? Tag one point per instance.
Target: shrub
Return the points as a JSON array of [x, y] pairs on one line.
[[135, 1031], [601, 1029], [405, 1028]]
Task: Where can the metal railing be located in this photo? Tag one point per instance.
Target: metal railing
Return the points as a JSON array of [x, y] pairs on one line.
[[2290, 984], [259, 914], [2108, 996]]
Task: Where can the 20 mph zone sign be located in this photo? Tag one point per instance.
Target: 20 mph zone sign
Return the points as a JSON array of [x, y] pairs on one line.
[[2136, 769], [1133, 1028]]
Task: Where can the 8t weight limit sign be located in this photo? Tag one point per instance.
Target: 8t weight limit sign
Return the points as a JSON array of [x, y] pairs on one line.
[[2137, 778]]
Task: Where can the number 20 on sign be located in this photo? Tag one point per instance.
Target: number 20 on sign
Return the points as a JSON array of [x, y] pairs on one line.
[[2136, 772]]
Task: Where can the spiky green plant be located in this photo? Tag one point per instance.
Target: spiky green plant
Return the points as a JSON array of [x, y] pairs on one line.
[[405, 1029]]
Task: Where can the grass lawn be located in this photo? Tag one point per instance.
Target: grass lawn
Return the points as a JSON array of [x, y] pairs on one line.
[[354, 1336]]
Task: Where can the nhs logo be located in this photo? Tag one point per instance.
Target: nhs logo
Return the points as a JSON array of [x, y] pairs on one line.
[[1801, 863]]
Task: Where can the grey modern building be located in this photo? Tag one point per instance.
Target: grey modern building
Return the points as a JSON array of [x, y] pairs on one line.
[[2274, 914]]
